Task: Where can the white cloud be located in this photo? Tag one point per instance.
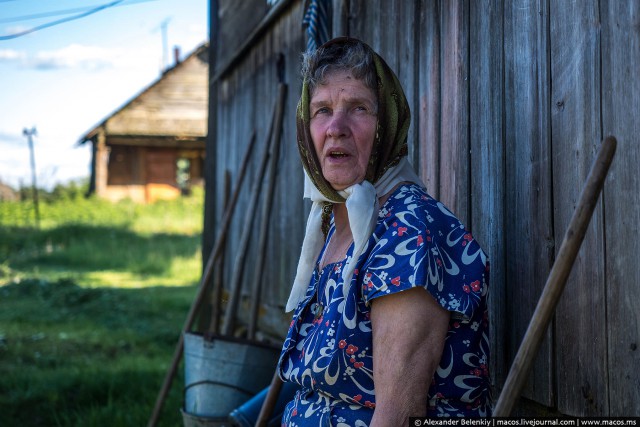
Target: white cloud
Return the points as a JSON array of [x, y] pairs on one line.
[[74, 56], [11, 137], [11, 55]]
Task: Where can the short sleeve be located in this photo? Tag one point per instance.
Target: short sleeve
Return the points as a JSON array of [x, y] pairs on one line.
[[418, 242]]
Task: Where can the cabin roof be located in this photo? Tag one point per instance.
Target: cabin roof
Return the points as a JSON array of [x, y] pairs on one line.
[[174, 105]]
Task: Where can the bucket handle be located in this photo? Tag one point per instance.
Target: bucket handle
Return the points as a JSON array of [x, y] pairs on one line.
[[247, 392]]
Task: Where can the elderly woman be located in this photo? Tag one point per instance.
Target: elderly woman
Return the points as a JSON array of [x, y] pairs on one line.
[[390, 316]]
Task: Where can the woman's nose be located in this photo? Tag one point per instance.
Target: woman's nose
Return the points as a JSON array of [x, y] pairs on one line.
[[338, 126]]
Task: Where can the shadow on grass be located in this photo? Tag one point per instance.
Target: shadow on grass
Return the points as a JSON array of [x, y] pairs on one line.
[[82, 247], [106, 398], [72, 356]]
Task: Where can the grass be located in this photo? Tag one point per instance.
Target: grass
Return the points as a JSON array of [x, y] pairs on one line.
[[91, 307]]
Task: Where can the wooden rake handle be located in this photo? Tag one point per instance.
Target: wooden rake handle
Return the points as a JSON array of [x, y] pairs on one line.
[[270, 401], [557, 279]]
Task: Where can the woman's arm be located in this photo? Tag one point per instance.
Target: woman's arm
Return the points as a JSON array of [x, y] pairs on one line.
[[409, 329]]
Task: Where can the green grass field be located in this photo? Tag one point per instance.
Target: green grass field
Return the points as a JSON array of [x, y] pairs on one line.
[[91, 307]]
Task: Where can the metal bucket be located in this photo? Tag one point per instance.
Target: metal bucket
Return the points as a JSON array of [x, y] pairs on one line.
[[192, 421], [223, 373]]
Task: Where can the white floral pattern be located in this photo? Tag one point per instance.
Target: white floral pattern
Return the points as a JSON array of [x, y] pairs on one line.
[[416, 242]]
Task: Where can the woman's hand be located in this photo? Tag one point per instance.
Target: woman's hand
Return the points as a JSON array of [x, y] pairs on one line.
[[409, 329]]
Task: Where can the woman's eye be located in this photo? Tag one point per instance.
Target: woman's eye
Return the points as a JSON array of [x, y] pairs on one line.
[[322, 110]]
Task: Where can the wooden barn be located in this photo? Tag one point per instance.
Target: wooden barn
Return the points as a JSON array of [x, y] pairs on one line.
[[510, 102], [153, 147]]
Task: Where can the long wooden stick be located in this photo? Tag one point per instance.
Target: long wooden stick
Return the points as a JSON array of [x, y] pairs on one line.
[[206, 276], [238, 267], [265, 214], [557, 279], [218, 278], [269, 401]]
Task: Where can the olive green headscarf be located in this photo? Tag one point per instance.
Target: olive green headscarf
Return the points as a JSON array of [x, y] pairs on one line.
[[390, 142], [388, 167]]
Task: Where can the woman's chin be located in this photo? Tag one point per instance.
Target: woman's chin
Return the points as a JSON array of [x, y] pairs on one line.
[[343, 185], [341, 182]]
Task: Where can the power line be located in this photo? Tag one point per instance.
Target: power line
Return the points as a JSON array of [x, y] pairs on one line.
[[86, 12], [60, 21], [44, 14], [56, 12]]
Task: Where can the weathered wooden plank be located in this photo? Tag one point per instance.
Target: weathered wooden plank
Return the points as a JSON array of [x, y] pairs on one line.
[[287, 221], [620, 111], [238, 18], [575, 123], [340, 18], [395, 43], [487, 160], [289, 225], [427, 115], [406, 67], [562, 267], [454, 148], [528, 227], [359, 14], [247, 97], [211, 170]]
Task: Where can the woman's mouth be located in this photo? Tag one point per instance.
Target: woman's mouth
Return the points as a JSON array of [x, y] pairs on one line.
[[337, 154]]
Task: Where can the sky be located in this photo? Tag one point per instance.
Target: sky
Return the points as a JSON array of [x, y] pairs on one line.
[[65, 78]]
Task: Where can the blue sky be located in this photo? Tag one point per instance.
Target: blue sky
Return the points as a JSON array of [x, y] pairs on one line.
[[65, 79]]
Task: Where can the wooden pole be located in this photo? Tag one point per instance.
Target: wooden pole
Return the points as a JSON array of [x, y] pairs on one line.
[[265, 214], [206, 276], [216, 296], [29, 133], [557, 279], [238, 267], [269, 401]]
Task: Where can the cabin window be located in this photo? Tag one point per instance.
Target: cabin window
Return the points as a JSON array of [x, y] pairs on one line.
[[183, 174], [121, 165]]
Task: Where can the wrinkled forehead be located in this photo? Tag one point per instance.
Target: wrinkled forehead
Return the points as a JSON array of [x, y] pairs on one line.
[[343, 81]]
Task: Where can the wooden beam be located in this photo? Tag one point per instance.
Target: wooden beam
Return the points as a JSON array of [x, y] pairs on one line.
[[251, 40]]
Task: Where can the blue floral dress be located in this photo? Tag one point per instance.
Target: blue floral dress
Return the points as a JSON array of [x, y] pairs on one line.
[[328, 349]]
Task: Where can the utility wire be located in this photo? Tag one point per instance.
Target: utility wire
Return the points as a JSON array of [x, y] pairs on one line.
[[56, 12], [61, 21], [44, 14]]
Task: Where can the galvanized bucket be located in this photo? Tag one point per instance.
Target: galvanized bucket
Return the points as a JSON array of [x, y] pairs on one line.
[[223, 373], [193, 421]]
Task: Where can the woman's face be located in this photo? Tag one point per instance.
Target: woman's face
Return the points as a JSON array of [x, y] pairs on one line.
[[343, 114]]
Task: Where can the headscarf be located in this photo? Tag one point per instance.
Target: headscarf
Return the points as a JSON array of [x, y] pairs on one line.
[[387, 168], [390, 142]]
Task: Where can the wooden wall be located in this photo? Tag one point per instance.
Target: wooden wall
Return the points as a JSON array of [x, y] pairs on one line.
[[510, 101], [246, 99]]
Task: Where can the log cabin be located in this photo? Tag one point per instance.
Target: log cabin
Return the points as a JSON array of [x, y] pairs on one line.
[[153, 147]]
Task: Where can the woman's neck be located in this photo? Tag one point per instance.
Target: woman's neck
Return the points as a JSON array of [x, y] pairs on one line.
[[341, 220]]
